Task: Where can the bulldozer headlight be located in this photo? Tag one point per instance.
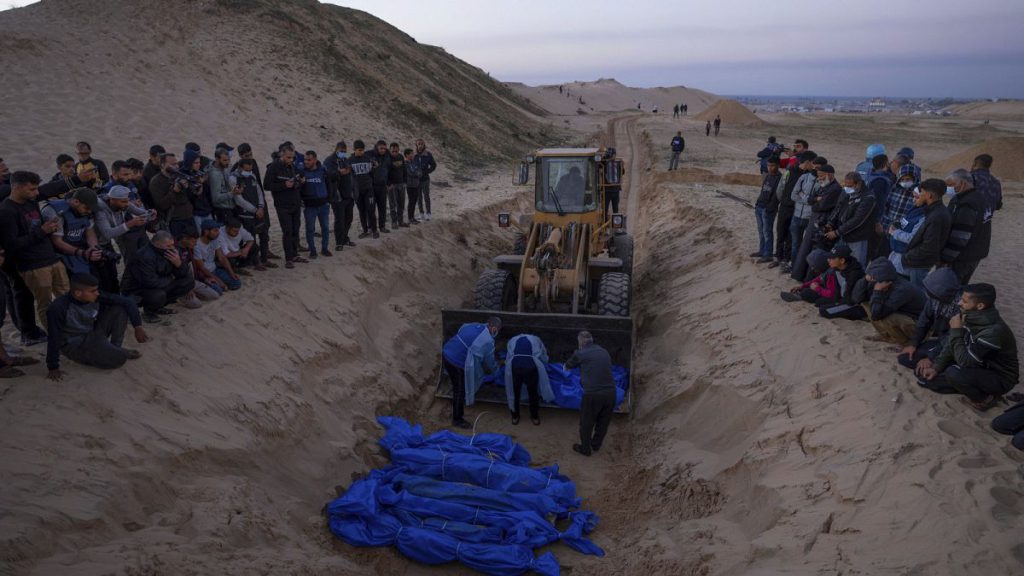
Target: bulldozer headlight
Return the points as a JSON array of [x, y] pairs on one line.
[[530, 159], [618, 221], [504, 220]]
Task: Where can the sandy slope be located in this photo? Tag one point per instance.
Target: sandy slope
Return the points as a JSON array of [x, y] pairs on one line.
[[609, 95]]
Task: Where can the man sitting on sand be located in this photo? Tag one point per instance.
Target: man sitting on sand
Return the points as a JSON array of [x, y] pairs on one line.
[[979, 359], [894, 304], [157, 275], [1011, 423], [211, 265], [88, 326], [942, 289], [822, 287]]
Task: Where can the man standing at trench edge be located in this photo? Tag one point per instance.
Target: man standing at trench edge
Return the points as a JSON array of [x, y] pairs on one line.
[[598, 400], [467, 356]]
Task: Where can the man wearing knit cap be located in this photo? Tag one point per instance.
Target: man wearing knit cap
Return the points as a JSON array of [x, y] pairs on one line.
[[119, 220]]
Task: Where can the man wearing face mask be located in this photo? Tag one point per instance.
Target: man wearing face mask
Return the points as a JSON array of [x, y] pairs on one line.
[[797, 185], [823, 201], [251, 209], [341, 194], [901, 197], [979, 359], [925, 247], [971, 231], [853, 221]]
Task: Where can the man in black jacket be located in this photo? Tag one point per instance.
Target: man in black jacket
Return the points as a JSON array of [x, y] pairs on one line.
[[925, 247], [892, 303], [765, 208], [88, 327], [362, 175], [396, 186], [599, 394], [942, 289], [985, 182], [27, 240], [971, 231], [853, 220], [823, 201], [86, 163], [340, 194], [381, 170], [427, 167], [157, 276], [787, 209], [285, 183]]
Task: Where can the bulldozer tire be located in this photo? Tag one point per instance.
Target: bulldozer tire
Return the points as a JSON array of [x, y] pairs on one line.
[[495, 290], [519, 247], [613, 295], [622, 248]]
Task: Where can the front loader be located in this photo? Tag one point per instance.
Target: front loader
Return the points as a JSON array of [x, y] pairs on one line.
[[569, 268]]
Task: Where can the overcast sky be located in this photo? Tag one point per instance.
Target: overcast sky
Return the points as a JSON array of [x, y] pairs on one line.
[[934, 48]]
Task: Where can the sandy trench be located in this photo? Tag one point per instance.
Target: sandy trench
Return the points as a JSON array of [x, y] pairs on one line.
[[802, 453]]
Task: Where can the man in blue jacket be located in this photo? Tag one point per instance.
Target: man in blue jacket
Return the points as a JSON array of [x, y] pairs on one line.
[[466, 357], [314, 204], [678, 144]]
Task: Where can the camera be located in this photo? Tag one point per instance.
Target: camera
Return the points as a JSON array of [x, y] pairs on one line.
[[110, 255]]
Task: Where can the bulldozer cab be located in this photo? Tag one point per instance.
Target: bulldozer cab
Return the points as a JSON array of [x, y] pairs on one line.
[[570, 181]]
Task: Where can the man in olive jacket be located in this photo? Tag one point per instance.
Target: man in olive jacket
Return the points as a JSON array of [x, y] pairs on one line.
[[979, 359]]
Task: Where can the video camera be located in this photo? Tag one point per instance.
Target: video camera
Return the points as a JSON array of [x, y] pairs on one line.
[[188, 181]]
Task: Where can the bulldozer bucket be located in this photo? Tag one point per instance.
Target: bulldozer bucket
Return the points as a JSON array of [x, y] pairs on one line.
[[557, 331]]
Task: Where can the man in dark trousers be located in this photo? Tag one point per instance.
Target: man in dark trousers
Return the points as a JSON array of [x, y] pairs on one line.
[[526, 366], [362, 175], [381, 170], [979, 359], [340, 193], [678, 144], [598, 401], [88, 327], [467, 356], [157, 275], [427, 167], [718, 123], [285, 182]]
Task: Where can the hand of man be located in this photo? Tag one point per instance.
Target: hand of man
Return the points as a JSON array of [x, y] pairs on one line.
[[177, 186], [220, 283], [260, 212], [50, 226], [140, 335], [237, 190], [94, 254], [909, 350], [883, 286], [831, 235], [55, 375], [878, 228], [928, 373], [922, 365], [3, 256], [136, 222], [173, 257], [233, 275], [957, 321]]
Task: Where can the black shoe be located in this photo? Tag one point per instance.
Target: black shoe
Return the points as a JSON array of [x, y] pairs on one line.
[[764, 260], [595, 447], [301, 260], [790, 297], [338, 248], [166, 311], [326, 253], [578, 448], [365, 234], [349, 243], [515, 420], [377, 235], [774, 264], [312, 255], [755, 254], [462, 424], [385, 231], [403, 224], [151, 318], [34, 339], [536, 422]]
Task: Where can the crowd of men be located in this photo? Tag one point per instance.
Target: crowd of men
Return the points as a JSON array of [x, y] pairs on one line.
[[82, 252], [882, 245]]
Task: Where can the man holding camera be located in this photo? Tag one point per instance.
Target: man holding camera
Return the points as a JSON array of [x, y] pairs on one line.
[[120, 220], [157, 275], [75, 237], [285, 183], [171, 197]]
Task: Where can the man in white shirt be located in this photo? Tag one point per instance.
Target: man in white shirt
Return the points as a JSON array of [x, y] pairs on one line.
[[211, 265]]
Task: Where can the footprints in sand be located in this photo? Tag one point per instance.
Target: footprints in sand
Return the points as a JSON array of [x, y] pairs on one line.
[[955, 428]]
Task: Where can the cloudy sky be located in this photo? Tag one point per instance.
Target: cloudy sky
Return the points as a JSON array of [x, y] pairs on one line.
[[935, 48]]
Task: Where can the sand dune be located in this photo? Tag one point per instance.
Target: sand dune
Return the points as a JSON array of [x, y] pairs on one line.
[[1004, 109], [732, 113], [1009, 151], [609, 95]]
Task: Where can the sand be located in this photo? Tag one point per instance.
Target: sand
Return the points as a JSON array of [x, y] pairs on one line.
[[732, 113], [1003, 109], [764, 440], [609, 95], [1009, 151]]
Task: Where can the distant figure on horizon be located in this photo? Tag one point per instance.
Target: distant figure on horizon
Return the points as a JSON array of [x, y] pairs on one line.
[[561, 89], [637, 105], [685, 109], [718, 123], [707, 128], [675, 111]]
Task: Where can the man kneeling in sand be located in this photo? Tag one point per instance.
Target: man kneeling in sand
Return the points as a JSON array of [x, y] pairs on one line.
[[88, 326], [598, 400], [979, 359]]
